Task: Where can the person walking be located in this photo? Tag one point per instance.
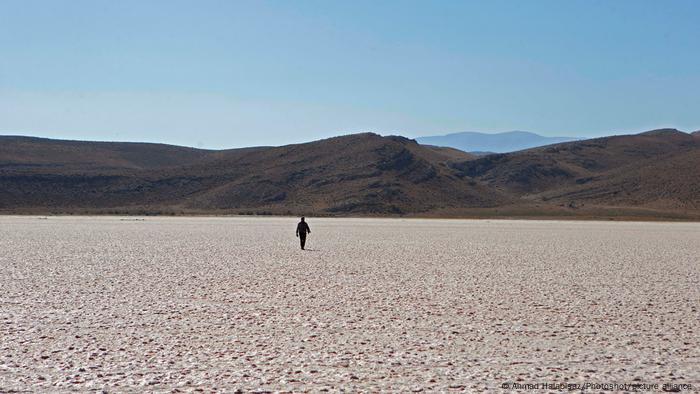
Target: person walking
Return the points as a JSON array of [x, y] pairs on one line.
[[302, 230]]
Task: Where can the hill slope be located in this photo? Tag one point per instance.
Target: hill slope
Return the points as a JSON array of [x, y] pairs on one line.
[[19, 152], [656, 169], [362, 173], [470, 141], [650, 174]]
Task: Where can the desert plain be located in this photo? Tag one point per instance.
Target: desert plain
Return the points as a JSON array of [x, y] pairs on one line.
[[224, 304]]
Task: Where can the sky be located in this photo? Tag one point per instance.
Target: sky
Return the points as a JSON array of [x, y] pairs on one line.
[[224, 74]]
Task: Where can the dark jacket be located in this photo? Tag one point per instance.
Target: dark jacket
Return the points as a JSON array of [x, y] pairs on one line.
[[302, 229]]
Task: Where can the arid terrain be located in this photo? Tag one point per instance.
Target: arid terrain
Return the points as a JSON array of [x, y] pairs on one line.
[[185, 304], [652, 175]]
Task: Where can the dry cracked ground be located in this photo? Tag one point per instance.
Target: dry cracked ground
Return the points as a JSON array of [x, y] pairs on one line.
[[226, 304]]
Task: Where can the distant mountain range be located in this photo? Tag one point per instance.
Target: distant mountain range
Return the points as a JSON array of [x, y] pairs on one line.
[[471, 141], [650, 175]]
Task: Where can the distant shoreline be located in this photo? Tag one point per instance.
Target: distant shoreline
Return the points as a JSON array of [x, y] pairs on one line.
[[670, 218]]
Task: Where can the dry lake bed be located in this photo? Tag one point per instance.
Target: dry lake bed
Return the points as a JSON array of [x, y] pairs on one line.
[[192, 304]]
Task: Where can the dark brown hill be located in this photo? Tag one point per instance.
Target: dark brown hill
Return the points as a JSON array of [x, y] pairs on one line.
[[26, 152], [653, 174], [362, 173], [670, 183], [656, 169]]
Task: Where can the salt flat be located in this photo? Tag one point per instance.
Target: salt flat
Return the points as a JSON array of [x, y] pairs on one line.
[[183, 304]]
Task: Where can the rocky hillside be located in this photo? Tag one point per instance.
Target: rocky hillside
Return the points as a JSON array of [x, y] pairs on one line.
[[360, 174], [656, 169]]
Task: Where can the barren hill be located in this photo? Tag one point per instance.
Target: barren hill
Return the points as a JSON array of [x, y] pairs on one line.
[[19, 152], [657, 171], [362, 173]]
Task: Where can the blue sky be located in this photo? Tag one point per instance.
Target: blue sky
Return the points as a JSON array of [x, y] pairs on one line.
[[220, 74]]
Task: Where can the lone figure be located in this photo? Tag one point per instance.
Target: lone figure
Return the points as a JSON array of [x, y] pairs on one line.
[[302, 230]]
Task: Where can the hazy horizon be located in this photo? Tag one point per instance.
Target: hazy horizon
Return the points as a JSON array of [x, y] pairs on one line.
[[573, 137], [222, 74]]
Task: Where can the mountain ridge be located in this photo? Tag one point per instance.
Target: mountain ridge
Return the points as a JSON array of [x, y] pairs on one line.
[[651, 174], [606, 170], [510, 141]]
